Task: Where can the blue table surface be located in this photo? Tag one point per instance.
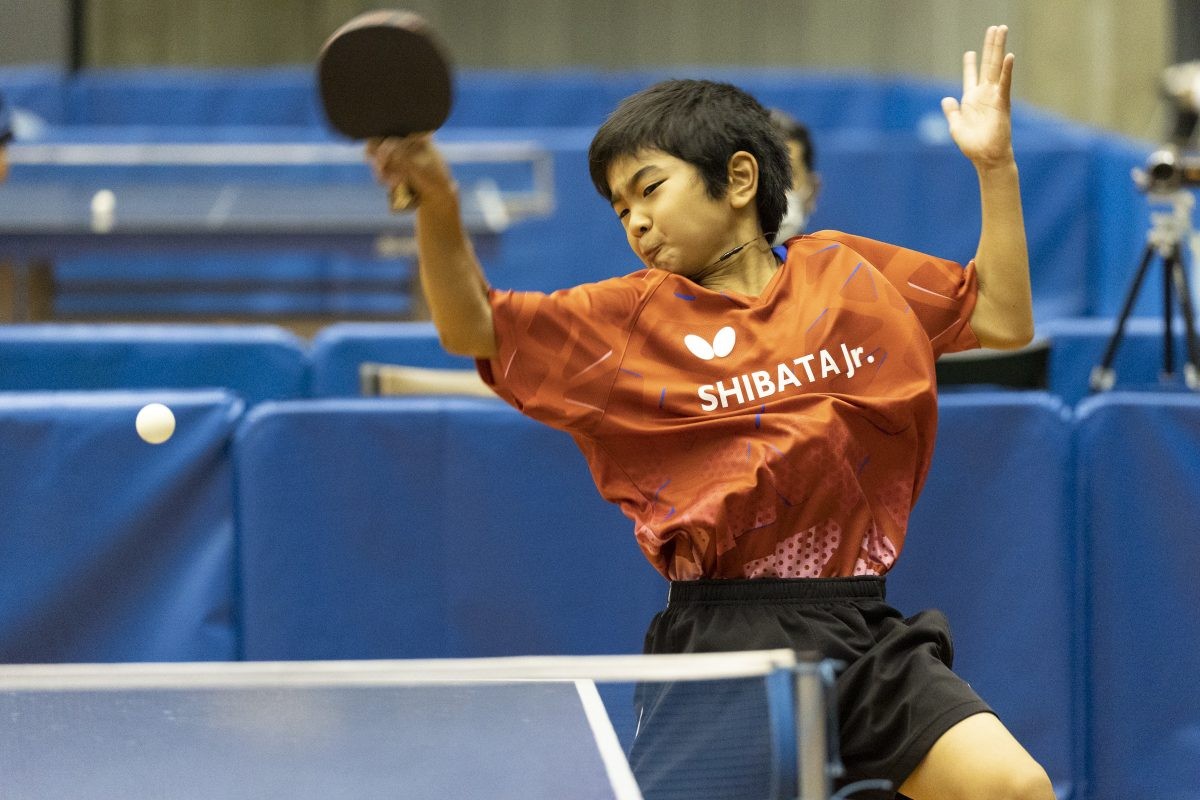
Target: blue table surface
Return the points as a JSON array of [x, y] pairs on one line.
[[498, 740], [47, 221]]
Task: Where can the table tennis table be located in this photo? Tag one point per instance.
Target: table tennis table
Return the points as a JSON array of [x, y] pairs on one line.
[[468, 728], [47, 209]]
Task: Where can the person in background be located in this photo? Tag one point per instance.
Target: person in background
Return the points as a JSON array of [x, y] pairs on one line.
[[6, 136], [806, 183]]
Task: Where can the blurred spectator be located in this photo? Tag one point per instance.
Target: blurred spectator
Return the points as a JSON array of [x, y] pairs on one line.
[[806, 183], [6, 136]]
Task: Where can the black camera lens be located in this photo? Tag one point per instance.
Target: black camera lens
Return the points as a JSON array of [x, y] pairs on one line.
[[1161, 171]]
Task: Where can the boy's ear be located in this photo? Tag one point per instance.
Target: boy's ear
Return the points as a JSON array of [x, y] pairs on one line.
[[743, 179]]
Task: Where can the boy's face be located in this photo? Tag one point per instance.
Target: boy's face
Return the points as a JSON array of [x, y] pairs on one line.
[[670, 221]]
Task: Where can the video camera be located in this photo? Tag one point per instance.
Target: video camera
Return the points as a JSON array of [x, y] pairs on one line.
[[1171, 167], [1169, 171]]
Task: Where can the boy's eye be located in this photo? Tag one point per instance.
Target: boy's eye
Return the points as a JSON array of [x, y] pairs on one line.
[[646, 192]]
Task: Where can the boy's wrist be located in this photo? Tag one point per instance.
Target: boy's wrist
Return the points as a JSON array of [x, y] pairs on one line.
[[1004, 165]]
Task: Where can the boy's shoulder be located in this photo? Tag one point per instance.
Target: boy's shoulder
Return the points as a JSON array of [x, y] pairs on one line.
[[634, 284], [612, 299], [824, 238], [878, 254]]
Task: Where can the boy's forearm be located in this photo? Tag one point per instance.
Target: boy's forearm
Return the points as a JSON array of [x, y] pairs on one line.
[[1003, 315], [452, 279]]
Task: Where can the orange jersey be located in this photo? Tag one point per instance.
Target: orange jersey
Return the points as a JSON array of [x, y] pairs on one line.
[[784, 435]]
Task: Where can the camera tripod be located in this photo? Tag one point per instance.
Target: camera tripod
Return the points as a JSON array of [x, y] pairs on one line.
[[1169, 231]]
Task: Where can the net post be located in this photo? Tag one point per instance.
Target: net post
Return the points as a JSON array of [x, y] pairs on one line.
[[783, 712], [812, 731]]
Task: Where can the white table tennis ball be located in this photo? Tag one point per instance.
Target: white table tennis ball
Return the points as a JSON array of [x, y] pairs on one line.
[[104, 202], [155, 423], [104, 211]]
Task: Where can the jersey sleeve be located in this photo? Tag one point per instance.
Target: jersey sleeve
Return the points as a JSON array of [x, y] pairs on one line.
[[557, 354], [940, 292]]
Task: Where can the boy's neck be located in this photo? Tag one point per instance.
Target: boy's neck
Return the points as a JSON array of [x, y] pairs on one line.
[[746, 272]]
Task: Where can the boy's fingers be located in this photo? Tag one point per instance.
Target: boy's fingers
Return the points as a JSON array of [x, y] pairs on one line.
[[387, 160], [970, 73], [950, 109], [384, 150], [1001, 44], [373, 159], [399, 160], [995, 56], [1006, 77]]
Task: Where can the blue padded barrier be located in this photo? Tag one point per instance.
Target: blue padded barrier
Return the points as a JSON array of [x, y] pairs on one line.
[[338, 349], [39, 91], [989, 543], [1139, 499], [341, 551], [921, 194], [286, 96], [428, 528], [180, 96], [1120, 220], [112, 549], [258, 362], [1077, 345], [823, 100], [546, 562]]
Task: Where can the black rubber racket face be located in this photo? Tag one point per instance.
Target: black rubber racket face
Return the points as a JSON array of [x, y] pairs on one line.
[[384, 74]]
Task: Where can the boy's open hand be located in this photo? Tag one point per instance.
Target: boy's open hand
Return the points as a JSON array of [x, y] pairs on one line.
[[981, 123], [413, 162]]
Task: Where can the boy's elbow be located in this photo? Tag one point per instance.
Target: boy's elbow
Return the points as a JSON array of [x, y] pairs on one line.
[[1007, 326], [1020, 331], [472, 344], [466, 331], [1010, 338]]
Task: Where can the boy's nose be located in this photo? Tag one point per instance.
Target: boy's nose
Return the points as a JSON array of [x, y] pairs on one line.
[[639, 224]]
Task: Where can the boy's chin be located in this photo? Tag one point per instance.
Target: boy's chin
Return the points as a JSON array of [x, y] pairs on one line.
[[672, 266]]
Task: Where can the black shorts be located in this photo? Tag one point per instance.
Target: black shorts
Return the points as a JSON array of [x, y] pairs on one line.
[[896, 696]]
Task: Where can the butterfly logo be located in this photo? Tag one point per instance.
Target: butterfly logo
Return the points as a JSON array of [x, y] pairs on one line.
[[722, 344]]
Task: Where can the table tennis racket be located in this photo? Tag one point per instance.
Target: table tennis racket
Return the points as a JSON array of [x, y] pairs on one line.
[[384, 73]]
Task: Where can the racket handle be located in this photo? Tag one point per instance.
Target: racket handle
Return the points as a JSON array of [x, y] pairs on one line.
[[402, 198]]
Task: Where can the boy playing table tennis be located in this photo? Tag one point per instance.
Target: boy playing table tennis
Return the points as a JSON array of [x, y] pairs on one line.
[[767, 423]]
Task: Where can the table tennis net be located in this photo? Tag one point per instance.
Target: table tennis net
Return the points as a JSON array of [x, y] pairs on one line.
[[737, 725]]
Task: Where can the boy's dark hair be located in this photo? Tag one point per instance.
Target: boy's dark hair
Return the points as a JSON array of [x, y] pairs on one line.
[[703, 123], [795, 131]]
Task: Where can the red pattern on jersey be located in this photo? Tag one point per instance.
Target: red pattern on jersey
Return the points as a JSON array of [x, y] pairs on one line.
[[785, 435]]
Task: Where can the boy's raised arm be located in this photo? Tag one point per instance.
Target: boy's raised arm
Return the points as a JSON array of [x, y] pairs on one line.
[[981, 125], [451, 276]]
